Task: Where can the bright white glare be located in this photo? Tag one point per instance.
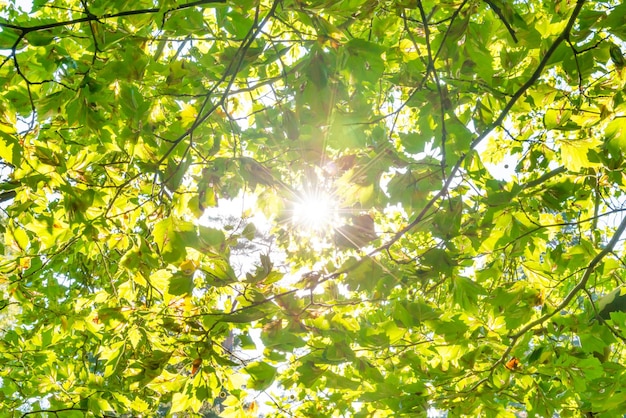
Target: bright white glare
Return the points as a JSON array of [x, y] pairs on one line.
[[314, 211]]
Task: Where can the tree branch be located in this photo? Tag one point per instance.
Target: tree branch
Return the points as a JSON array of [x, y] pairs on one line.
[[500, 15], [229, 76], [52, 411], [6, 196], [516, 96], [580, 285], [547, 176], [91, 18]]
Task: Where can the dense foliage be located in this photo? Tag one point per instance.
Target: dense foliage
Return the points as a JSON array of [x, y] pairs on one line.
[[474, 150]]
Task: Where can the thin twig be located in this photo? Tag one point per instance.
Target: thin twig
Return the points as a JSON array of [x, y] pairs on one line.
[[500, 15]]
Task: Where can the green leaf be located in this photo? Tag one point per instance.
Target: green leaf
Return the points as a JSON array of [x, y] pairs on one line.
[[364, 276], [8, 37], [172, 236], [175, 172], [210, 238], [616, 56], [40, 38], [413, 142], [152, 156], [466, 292], [261, 375], [180, 285]]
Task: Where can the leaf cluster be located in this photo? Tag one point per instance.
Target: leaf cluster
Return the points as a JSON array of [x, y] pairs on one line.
[[474, 150]]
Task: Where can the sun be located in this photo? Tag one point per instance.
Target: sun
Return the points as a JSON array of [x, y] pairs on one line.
[[315, 211]]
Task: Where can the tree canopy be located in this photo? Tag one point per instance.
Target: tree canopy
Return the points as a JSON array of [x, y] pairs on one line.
[[442, 182]]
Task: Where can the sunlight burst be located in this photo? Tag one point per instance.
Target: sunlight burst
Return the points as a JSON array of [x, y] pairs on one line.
[[315, 211]]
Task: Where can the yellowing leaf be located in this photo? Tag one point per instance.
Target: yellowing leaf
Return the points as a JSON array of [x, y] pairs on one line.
[[139, 405], [10, 149], [408, 50], [160, 280], [188, 114], [180, 402], [135, 336], [20, 238], [574, 153], [235, 408], [188, 267]]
